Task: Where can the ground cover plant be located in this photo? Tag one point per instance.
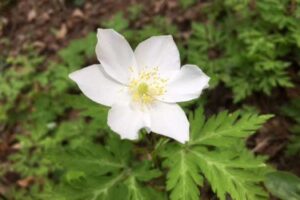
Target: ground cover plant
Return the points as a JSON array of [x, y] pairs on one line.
[[243, 143]]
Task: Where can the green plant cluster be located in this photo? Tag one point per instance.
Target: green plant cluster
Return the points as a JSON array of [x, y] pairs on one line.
[[38, 100], [292, 110], [247, 45], [116, 168]]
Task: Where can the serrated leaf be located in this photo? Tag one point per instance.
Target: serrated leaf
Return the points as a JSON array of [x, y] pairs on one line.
[[217, 151], [183, 178], [104, 172], [144, 172], [92, 160], [138, 192], [232, 172], [91, 188], [224, 129], [292, 110]]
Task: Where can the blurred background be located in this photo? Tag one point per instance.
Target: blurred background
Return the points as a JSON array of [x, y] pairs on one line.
[[250, 48]]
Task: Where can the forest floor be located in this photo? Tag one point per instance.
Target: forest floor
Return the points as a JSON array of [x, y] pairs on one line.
[[50, 25]]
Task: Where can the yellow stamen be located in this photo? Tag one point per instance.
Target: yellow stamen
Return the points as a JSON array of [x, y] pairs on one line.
[[147, 86], [142, 89]]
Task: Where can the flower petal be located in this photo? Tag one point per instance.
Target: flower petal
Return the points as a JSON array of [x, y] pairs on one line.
[[126, 120], [115, 55], [158, 51], [97, 85], [186, 85], [169, 120]]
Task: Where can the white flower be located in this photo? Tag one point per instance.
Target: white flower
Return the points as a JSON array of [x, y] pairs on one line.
[[143, 86]]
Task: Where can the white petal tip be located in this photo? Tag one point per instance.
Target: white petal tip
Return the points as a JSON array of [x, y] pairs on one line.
[[75, 76], [128, 138], [102, 29], [207, 81], [182, 140], [72, 76], [99, 30]]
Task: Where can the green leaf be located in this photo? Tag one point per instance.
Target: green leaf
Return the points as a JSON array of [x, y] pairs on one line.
[[144, 172], [138, 192], [183, 177], [78, 50], [292, 110], [224, 129], [118, 22], [236, 173], [283, 185], [95, 160], [104, 172], [91, 188], [216, 151], [186, 3]]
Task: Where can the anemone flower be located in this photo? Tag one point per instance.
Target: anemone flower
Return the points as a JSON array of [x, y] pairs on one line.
[[142, 86]]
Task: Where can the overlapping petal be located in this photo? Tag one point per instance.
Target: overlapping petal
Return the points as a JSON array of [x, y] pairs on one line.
[[186, 85], [158, 51], [126, 120], [98, 86], [169, 120], [115, 55]]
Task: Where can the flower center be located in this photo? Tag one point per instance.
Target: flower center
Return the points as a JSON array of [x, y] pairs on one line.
[[146, 86], [142, 89]]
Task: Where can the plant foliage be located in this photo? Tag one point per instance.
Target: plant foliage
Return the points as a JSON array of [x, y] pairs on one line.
[[216, 152], [283, 185], [292, 110], [104, 172], [248, 47]]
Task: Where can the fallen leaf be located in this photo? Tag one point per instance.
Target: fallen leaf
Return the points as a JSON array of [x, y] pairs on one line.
[[17, 146], [45, 17], [24, 183], [31, 15], [2, 190], [61, 34], [78, 13]]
